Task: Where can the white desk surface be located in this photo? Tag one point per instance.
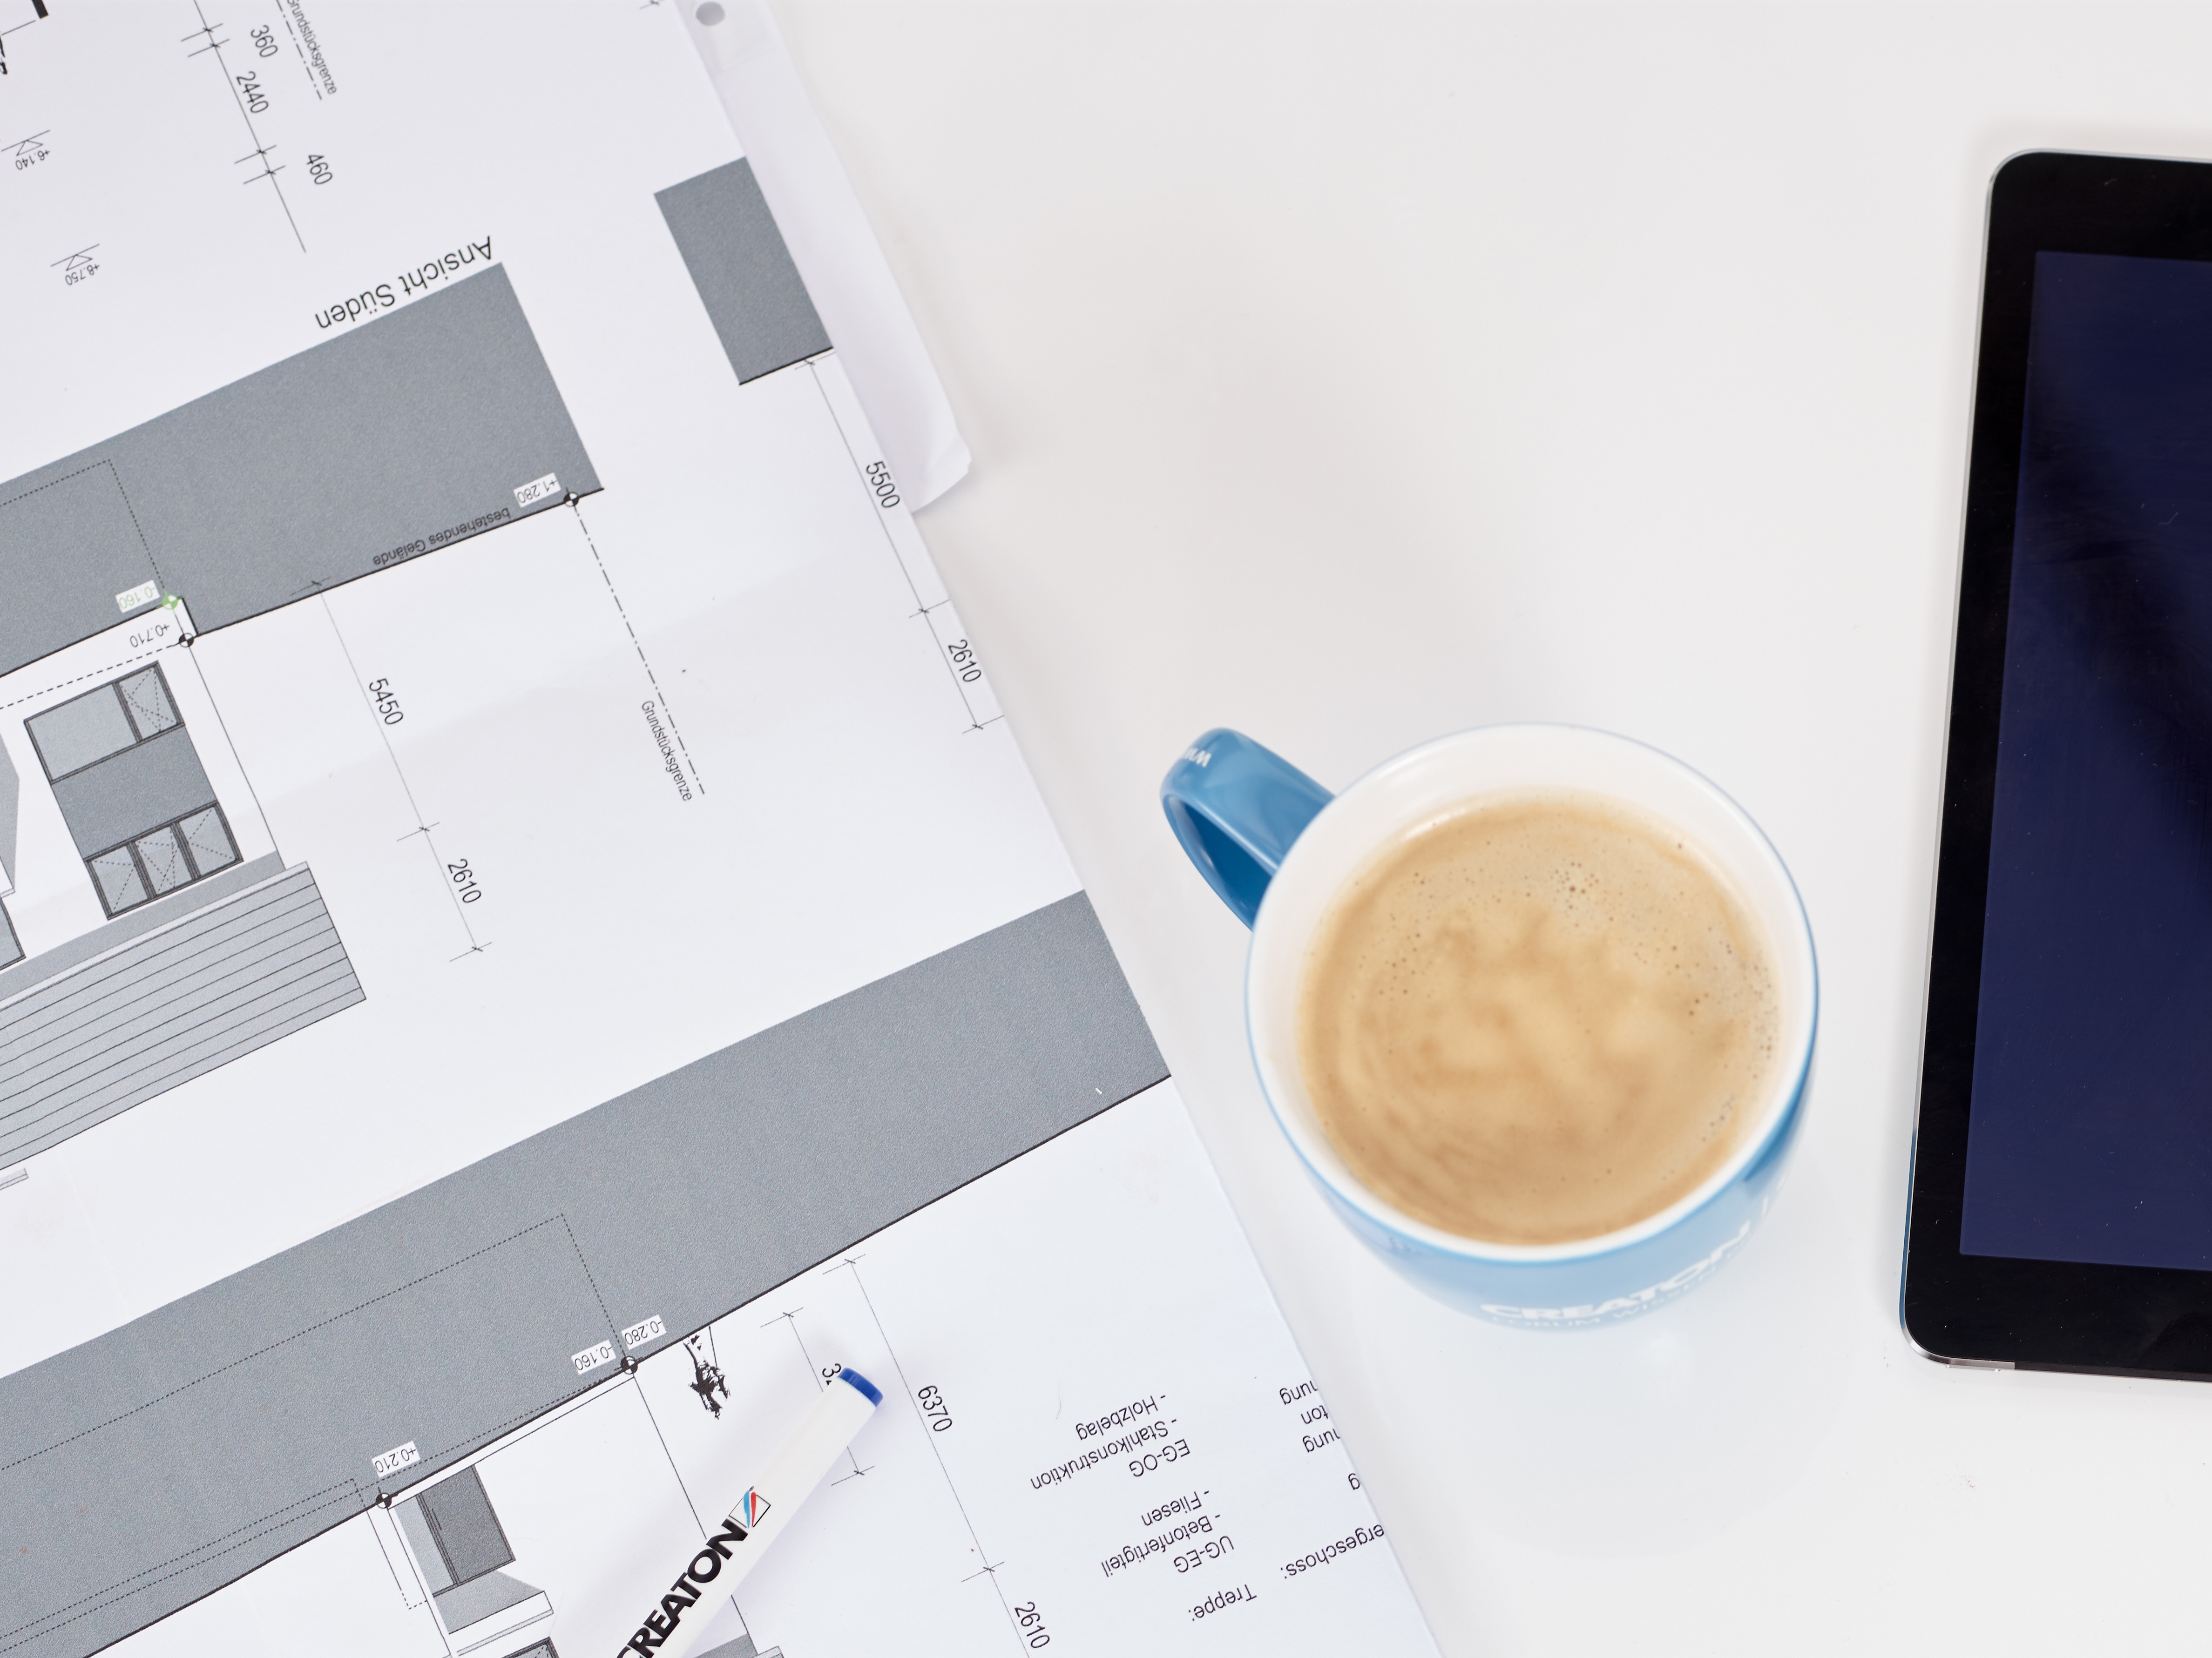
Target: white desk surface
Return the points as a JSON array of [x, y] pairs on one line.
[[1355, 374]]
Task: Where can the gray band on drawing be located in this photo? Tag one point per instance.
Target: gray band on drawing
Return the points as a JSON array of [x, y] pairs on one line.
[[408, 431], [743, 270], [157, 1463]]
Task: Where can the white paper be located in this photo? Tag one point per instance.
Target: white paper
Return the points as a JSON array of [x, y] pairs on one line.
[[829, 236], [667, 739]]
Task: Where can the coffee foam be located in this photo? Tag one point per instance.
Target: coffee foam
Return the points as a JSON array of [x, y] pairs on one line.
[[1536, 1019]]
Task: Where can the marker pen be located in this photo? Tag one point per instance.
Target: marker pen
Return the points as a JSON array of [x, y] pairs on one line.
[[730, 1551]]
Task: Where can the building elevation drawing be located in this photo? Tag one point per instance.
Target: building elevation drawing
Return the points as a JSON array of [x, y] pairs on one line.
[[193, 952], [427, 1320], [232, 504]]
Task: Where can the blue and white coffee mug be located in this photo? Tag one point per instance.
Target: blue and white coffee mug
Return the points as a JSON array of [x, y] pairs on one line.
[[1277, 847]]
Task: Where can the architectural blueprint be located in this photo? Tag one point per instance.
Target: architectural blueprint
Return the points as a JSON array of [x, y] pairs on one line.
[[524, 938]]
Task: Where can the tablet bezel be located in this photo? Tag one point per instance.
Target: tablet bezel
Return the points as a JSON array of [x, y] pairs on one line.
[[1987, 1309]]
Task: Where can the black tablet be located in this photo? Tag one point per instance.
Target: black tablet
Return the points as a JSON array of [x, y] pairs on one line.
[[2062, 1178]]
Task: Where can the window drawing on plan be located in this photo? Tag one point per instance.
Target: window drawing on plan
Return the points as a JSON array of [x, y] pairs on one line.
[[205, 954], [132, 791]]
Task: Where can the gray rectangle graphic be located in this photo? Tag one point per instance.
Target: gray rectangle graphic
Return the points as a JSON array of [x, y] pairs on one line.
[[128, 793], [75, 734], [403, 434], [738, 261], [462, 1526], [68, 545]]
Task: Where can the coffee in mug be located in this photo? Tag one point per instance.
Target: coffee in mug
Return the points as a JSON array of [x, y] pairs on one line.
[[1537, 1017]]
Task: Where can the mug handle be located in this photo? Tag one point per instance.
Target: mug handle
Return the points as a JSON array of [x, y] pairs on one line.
[[1236, 807]]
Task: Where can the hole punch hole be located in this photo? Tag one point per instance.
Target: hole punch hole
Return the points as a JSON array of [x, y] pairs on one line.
[[711, 13]]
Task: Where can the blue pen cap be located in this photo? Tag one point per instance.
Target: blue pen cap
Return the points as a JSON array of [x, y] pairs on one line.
[[867, 1389]]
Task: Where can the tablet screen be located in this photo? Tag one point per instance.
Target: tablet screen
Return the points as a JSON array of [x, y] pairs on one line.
[[2091, 1135]]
